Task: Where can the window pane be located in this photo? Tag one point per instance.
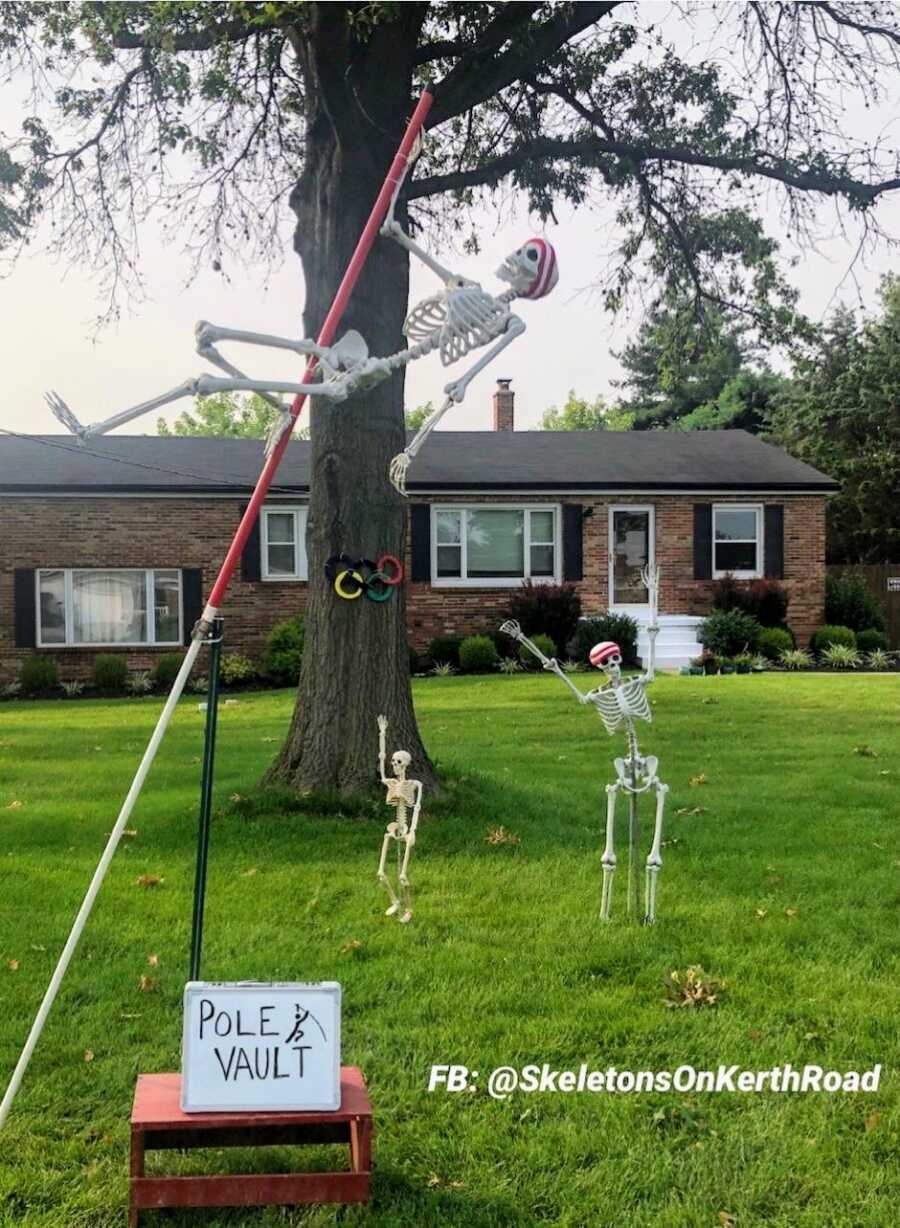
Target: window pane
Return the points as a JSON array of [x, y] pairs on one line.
[[109, 607], [495, 544], [735, 556], [542, 560], [542, 527], [448, 528], [280, 526], [735, 525], [449, 560], [165, 606], [53, 607], [631, 551], [281, 560]]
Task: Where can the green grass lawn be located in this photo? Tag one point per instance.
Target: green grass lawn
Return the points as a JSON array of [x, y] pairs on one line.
[[785, 883]]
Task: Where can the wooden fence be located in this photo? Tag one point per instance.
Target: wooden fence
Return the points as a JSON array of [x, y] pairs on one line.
[[884, 581]]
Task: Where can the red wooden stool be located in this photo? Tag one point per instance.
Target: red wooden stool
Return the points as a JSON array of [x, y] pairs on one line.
[[157, 1122]]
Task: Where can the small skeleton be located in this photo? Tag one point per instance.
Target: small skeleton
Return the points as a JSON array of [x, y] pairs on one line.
[[457, 320], [619, 704], [406, 796]]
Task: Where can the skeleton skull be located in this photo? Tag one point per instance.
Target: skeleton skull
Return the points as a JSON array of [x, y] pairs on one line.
[[531, 270], [608, 657], [400, 761]]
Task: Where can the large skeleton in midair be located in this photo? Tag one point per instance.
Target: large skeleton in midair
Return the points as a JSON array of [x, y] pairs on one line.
[[619, 703], [459, 318]]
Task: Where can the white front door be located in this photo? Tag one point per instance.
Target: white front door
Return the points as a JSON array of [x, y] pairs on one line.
[[631, 547]]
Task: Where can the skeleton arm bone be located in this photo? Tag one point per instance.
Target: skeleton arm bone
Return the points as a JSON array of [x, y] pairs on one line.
[[393, 230], [382, 748], [414, 820], [514, 631]]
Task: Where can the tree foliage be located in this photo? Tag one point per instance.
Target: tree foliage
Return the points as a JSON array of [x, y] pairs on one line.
[[225, 414], [579, 414], [841, 413]]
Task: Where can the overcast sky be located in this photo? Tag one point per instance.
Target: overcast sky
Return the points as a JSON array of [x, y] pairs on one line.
[[47, 310]]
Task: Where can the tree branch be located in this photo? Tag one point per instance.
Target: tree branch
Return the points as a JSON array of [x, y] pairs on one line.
[[591, 148], [472, 81], [200, 40]]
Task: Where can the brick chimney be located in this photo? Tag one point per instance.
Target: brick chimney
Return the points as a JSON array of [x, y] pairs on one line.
[[504, 406]]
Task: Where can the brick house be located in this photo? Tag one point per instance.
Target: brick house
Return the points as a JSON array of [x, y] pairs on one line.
[[111, 546]]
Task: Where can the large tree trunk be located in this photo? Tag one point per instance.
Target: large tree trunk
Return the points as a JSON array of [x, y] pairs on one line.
[[356, 658]]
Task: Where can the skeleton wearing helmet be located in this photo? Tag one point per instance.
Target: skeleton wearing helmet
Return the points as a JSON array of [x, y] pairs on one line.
[[619, 703]]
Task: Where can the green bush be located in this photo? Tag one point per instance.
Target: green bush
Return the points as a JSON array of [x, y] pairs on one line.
[[544, 643], [871, 640], [284, 650], [728, 632], [841, 656], [477, 655], [38, 674], [619, 628], [849, 602], [773, 641], [828, 635], [414, 663], [233, 667], [796, 658], [166, 669], [444, 649], [548, 609], [110, 672]]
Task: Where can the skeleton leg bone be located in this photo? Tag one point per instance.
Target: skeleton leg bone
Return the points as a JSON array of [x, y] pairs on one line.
[[383, 878], [405, 890], [654, 859], [70, 422], [608, 861]]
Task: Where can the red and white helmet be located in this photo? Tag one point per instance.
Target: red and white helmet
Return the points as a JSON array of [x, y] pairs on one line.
[[603, 654], [531, 269]]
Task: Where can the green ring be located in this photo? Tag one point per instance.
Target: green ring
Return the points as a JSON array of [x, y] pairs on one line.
[[372, 594]]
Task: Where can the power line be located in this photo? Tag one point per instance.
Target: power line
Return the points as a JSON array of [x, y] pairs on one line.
[[80, 450]]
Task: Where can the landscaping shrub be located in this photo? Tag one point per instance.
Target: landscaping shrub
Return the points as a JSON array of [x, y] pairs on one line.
[[139, 683], [728, 632], [551, 609], [796, 658], [477, 655], [619, 628], [414, 664], [284, 651], [445, 649], [166, 669], [233, 667], [828, 635], [110, 672], [38, 674], [871, 640], [849, 602], [766, 600], [878, 659], [773, 641], [841, 656], [544, 643]]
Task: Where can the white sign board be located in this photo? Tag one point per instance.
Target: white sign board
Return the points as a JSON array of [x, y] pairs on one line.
[[250, 1046], [893, 584]]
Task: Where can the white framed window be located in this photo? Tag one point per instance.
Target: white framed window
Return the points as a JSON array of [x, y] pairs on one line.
[[494, 545], [104, 607], [283, 542], [737, 540]]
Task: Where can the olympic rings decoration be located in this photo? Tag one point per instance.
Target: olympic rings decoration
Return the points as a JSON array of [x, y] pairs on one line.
[[352, 577]]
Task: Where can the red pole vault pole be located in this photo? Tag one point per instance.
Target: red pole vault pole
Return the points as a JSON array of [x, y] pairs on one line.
[[226, 571]]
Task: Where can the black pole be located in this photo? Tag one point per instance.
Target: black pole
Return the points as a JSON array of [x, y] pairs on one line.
[[214, 640]]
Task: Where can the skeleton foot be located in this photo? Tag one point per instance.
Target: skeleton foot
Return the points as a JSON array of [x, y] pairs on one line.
[[62, 413], [407, 916], [393, 910], [398, 470]]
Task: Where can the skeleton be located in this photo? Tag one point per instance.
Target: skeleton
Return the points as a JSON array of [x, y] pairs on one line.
[[457, 320], [619, 703], [406, 796]]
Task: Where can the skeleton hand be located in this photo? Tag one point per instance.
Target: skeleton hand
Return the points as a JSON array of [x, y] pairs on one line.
[[62, 413], [552, 664], [397, 471], [382, 724], [512, 629]]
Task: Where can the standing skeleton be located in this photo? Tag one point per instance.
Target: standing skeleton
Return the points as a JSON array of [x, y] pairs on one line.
[[458, 319], [620, 703], [405, 795]]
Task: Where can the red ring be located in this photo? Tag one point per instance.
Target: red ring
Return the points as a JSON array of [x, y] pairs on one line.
[[392, 561]]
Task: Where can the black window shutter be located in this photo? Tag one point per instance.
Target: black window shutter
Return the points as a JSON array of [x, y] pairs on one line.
[[251, 558], [420, 540], [572, 541], [191, 598], [773, 541], [24, 611], [703, 544]]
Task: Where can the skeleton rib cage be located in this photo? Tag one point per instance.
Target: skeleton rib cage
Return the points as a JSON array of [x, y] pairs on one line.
[[620, 705]]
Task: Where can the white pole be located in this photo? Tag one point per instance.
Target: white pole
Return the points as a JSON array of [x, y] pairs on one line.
[[99, 875]]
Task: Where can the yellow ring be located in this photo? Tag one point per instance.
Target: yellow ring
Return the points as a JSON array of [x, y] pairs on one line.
[[339, 585]]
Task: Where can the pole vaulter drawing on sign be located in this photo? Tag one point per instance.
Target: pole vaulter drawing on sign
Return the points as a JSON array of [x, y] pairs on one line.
[[384, 203]]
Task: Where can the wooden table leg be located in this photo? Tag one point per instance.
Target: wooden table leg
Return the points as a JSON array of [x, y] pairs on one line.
[[137, 1170], [361, 1145]]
